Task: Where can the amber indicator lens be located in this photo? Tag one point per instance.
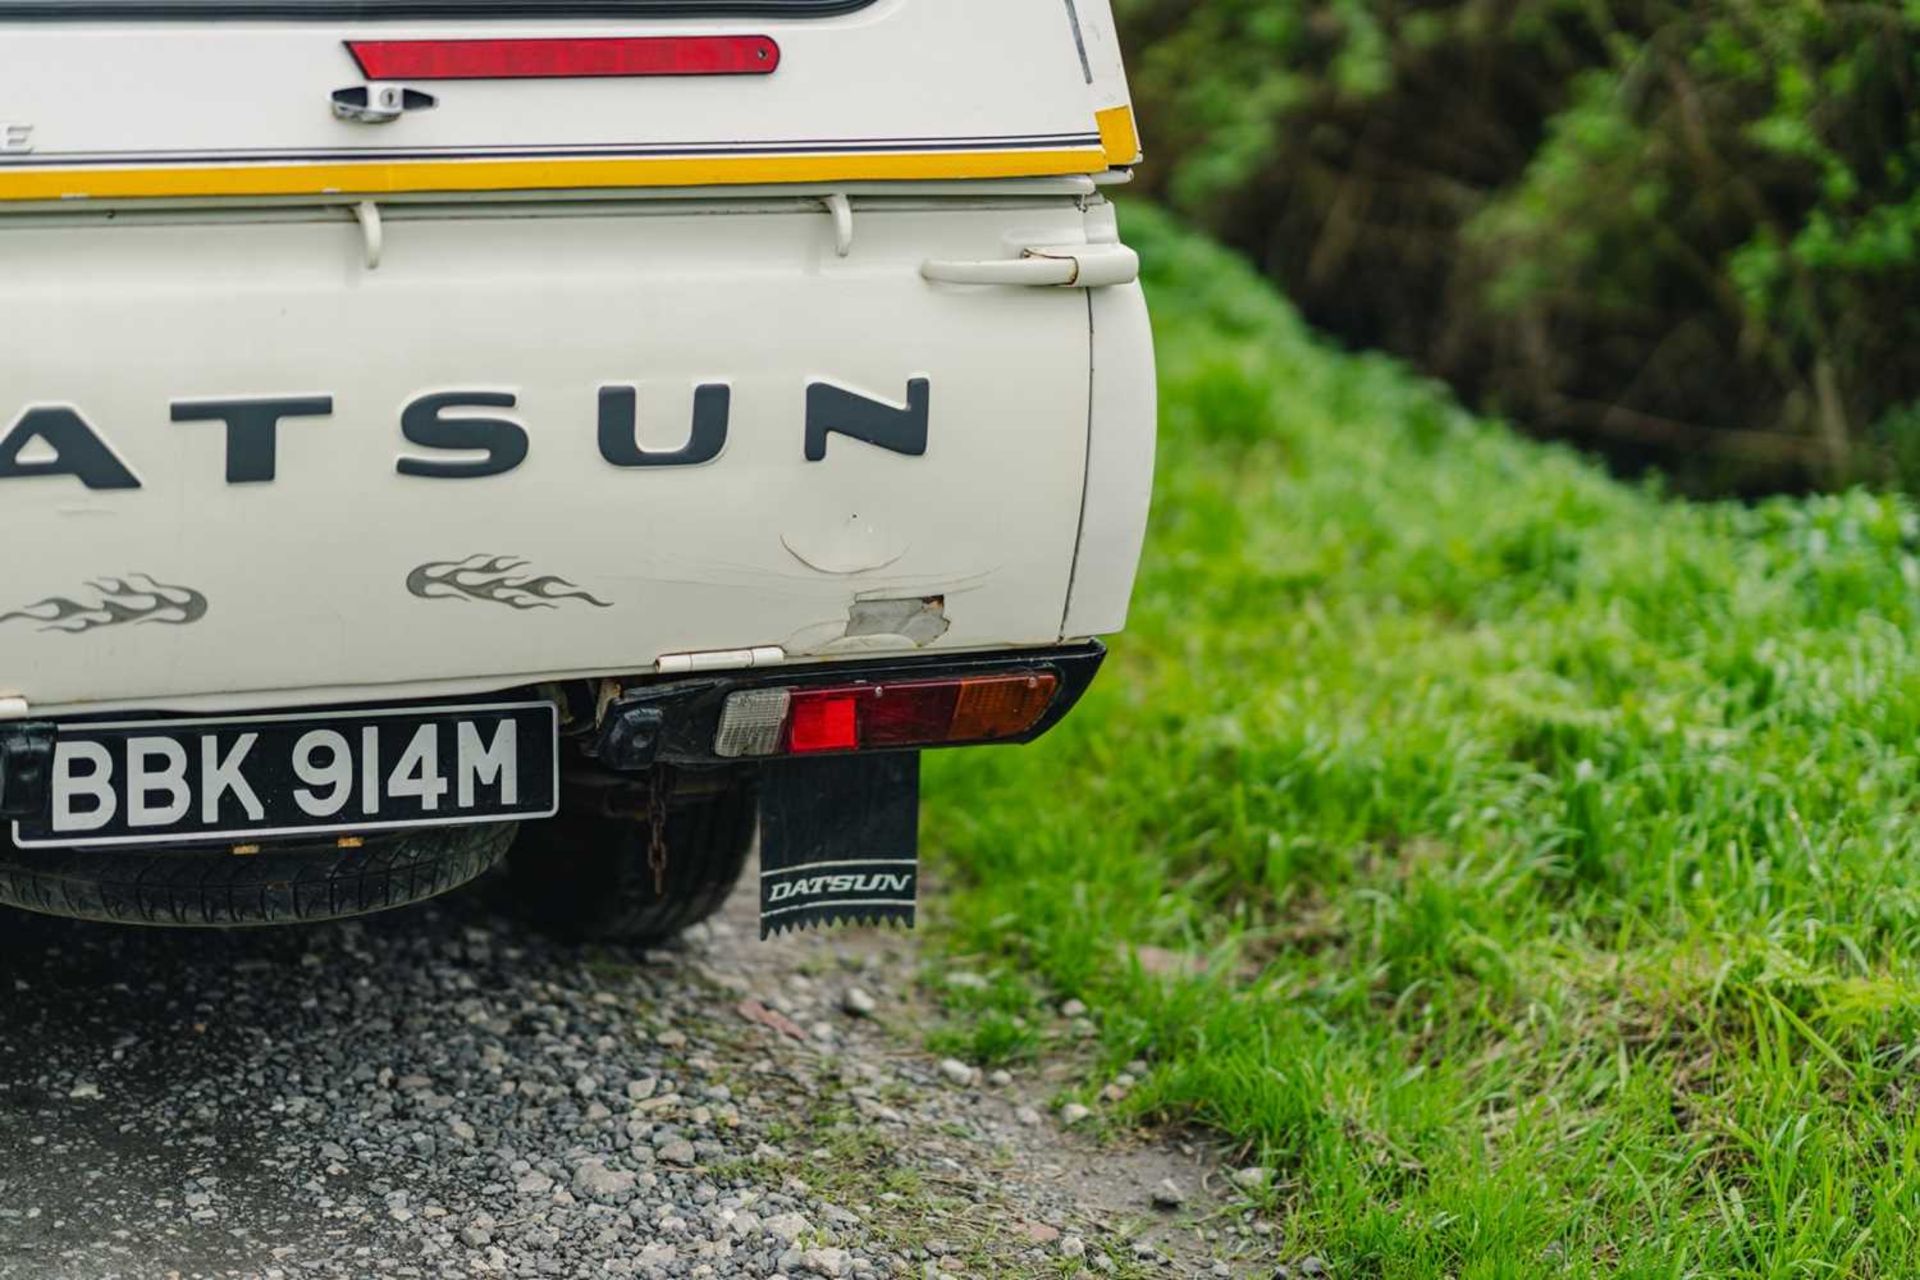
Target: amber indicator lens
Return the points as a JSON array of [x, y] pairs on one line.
[[1001, 706]]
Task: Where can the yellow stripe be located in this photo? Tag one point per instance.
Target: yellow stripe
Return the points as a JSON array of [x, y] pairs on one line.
[[1119, 135], [377, 178]]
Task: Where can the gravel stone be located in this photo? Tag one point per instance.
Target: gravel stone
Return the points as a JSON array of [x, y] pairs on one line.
[[825, 1262], [592, 1178], [438, 1092], [1168, 1195], [678, 1151], [956, 1071], [788, 1227], [1252, 1178], [1073, 1113]]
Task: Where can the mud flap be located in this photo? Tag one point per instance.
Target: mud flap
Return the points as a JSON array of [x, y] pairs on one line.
[[839, 841]]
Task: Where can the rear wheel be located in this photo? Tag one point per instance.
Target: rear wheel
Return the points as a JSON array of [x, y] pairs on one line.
[[280, 884], [586, 873]]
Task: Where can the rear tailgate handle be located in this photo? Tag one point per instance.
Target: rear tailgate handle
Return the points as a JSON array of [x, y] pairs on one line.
[[379, 103], [1078, 266]]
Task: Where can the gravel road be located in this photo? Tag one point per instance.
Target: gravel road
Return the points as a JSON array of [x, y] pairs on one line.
[[439, 1092]]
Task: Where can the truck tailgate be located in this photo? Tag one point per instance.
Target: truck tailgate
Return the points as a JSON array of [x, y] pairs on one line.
[[538, 440], [135, 99]]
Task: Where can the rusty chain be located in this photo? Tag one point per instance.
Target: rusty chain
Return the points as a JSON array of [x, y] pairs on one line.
[[657, 830]]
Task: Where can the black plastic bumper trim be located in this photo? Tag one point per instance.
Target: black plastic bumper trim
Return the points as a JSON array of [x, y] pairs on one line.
[[674, 722]]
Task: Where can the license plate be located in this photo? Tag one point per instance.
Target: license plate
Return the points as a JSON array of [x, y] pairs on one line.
[[251, 777]]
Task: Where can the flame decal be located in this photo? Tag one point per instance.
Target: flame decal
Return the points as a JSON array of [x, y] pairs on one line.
[[116, 601], [495, 580]]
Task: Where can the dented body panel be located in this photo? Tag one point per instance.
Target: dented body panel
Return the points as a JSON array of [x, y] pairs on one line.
[[531, 446]]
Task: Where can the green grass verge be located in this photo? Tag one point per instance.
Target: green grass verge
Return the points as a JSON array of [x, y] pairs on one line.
[[1549, 847]]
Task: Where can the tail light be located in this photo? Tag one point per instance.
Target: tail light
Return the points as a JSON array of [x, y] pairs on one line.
[[565, 58], [916, 713]]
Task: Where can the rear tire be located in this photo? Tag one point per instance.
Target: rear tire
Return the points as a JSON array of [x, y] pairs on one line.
[[284, 884], [585, 874]]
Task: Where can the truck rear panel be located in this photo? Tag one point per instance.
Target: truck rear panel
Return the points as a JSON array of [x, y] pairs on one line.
[[570, 372]]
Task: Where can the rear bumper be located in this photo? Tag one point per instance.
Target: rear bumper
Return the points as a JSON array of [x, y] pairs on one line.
[[658, 722]]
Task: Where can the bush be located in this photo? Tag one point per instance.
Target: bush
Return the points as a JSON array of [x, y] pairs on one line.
[[1688, 233]]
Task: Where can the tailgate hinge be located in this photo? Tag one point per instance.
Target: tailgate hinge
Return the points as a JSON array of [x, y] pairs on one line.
[[680, 664]]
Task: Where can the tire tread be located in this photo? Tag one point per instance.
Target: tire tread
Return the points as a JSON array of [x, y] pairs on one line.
[[278, 885], [588, 876]]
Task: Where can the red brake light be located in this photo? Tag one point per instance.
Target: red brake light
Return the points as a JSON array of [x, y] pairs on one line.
[[823, 721], [565, 59]]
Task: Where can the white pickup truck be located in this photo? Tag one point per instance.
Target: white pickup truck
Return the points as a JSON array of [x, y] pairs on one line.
[[589, 433]]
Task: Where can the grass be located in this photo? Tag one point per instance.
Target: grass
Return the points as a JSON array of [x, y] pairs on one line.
[[1536, 857]]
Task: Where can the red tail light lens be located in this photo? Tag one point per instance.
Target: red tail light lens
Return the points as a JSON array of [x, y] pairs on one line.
[[902, 715], [917, 713], [823, 722]]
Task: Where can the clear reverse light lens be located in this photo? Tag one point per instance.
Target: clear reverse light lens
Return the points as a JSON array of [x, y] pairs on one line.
[[751, 722]]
